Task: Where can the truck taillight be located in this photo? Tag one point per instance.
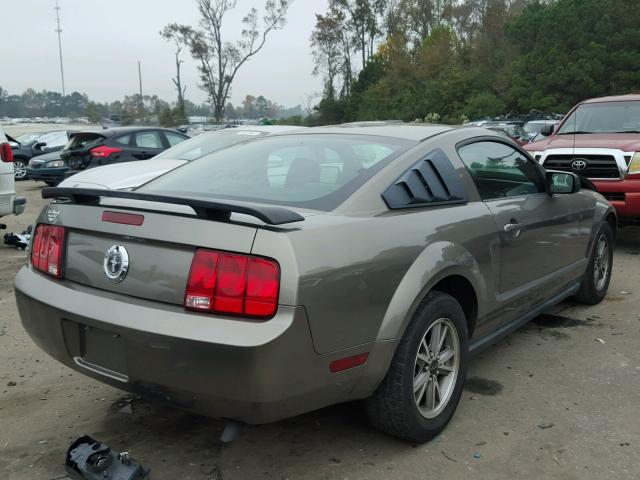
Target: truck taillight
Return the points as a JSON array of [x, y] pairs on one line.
[[231, 283], [6, 154], [104, 151], [47, 248]]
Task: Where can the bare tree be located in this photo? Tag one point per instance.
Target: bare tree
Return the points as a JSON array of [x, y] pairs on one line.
[[219, 60], [179, 35]]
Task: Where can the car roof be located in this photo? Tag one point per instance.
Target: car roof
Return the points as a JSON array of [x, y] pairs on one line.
[[614, 98], [109, 132], [408, 131], [263, 128]]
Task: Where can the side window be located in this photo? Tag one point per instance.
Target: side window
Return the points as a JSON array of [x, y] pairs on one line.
[[173, 138], [500, 171], [148, 140], [123, 139]]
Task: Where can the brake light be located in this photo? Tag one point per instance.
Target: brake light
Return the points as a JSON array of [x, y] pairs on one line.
[[47, 249], [232, 283], [6, 154], [123, 218], [103, 151]]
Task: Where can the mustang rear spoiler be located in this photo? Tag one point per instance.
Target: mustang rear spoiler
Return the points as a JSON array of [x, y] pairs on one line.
[[203, 208]]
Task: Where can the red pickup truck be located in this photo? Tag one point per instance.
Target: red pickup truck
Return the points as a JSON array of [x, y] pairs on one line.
[[600, 139]]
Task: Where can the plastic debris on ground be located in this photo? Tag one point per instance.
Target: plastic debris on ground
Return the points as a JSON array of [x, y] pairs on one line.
[[18, 240]]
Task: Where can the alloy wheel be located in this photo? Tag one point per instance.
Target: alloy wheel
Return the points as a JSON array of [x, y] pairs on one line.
[[601, 264], [436, 368], [19, 170]]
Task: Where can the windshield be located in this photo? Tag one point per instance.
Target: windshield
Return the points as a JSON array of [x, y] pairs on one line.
[[533, 127], [603, 117], [206, 143], [311, 171], [27, 138]]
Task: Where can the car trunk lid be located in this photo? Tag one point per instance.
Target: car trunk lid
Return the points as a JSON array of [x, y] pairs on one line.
[[77, 153], [160, 250]]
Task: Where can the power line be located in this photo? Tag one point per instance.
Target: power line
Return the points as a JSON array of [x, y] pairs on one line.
[[58, 30]]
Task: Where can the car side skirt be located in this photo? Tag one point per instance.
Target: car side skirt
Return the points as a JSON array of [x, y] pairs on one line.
[[482, 343]]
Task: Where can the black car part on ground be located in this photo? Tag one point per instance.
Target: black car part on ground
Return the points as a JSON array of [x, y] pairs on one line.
[[203, 208], [88, 459], [18, 240]]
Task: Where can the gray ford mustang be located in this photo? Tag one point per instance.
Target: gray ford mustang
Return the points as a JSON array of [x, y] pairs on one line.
[[306, 269]]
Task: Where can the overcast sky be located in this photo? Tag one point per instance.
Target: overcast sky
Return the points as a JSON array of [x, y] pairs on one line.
[[102, 41]]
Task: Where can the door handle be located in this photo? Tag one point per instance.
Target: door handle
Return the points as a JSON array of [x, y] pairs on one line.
[[513, 228]]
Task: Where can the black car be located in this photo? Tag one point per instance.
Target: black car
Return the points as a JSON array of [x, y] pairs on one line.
[[30, 145], [116, 145]]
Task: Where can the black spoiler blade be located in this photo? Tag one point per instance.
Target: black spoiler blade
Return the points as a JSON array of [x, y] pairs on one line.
[[203, 208]]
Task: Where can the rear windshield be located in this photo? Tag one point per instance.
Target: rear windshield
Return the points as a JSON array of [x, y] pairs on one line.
[[603, 117], [81, 140], [208, 142], [311, 171]]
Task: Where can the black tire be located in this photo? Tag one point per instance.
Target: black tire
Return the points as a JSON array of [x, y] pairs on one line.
[[20, 165], [591, 291], [393, 407]]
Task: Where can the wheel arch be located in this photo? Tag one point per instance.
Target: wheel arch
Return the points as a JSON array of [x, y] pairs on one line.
[[457, 273]]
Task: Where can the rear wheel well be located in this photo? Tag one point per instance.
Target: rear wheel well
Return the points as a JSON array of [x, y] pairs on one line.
[[461, 289]]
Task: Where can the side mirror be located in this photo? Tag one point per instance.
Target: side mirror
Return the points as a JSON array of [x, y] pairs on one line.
[[547, 129], [40, 146], [562, 183]]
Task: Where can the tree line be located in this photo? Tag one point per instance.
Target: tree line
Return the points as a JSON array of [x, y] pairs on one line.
[[451, 60], [31, 104]]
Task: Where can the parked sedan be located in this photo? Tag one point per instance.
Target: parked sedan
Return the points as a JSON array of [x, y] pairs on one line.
[[115, 145], [30, 145], [134, 174], [48, 168], [309, 268]]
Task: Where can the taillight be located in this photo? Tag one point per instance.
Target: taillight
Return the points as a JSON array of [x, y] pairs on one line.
[[232, 283], [103, 151], [47, 249], [6, 154]]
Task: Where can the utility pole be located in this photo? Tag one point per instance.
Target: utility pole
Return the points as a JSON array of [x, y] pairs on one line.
[[58, 30], [140, 83]]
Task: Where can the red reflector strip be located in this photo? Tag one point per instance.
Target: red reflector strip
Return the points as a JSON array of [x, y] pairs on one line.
[[348, 362], [123, 218]]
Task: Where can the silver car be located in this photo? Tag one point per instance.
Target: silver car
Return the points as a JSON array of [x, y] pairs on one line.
[[309, 268]]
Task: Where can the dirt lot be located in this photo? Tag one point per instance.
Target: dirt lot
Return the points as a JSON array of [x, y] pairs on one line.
[[558, 399]]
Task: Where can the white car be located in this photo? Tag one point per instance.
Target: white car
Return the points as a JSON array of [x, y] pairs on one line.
[[9, 203], [126, 176]]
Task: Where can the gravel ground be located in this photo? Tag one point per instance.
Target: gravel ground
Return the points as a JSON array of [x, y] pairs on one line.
[[560, 398]]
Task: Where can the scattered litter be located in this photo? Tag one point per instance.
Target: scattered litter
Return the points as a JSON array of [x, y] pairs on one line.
[[335, 460], [555, 460], [479, 444], [18, 240], [11, 384], [127, 409], [599, 340], [545, 425], [88, 459], [448, 457], [477, 455], [624, 292], [43, 441]]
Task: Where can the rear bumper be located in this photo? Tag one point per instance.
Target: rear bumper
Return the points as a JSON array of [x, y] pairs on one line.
[[248, 371], [47, 174], [624, 195]]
